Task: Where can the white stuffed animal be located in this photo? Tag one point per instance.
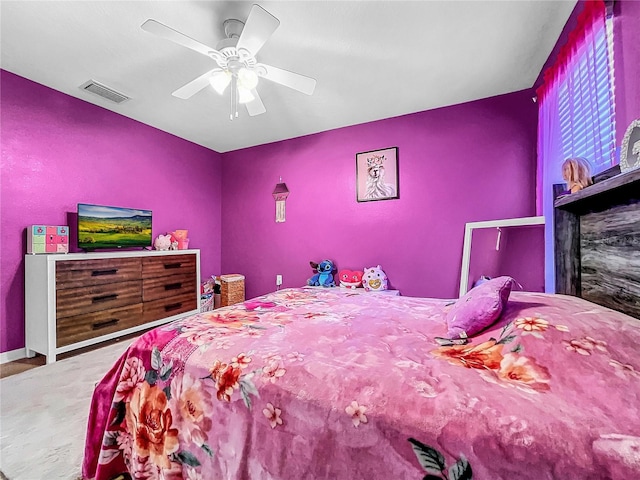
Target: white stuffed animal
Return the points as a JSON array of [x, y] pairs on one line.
[[162, 242], [374, 279]]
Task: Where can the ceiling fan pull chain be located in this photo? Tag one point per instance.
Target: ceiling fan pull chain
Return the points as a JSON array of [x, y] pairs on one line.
[[234, 95]]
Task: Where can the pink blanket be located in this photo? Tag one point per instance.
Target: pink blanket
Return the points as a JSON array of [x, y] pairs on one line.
[[326, 384]]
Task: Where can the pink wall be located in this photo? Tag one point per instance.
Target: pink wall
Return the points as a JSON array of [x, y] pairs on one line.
[[465, 163], [58, 151], [470, 162]]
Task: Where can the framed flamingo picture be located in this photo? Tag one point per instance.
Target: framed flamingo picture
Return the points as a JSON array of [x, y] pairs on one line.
[[377, 175]]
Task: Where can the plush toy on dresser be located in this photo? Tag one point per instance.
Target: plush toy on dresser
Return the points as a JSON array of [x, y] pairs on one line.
[[324, 275], [374, 279], [165, 242], [350, 278]]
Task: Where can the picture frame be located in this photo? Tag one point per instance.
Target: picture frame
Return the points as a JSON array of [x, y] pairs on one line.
[[377, 175], [630, 150]]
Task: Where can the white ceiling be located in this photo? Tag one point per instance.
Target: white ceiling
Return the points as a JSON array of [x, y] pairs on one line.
[[371, 59]]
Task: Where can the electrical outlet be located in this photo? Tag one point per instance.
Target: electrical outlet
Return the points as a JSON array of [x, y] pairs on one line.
[[278, 280]]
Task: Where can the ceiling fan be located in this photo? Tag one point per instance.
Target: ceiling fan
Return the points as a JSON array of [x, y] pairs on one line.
[[235, 57]]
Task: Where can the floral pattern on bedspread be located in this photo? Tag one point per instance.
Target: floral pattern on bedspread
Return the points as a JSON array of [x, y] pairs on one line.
[[312, 384]]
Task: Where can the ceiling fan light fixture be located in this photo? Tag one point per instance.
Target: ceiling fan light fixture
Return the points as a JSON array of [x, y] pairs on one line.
[[220, 80], [247, 79], [244, 95]]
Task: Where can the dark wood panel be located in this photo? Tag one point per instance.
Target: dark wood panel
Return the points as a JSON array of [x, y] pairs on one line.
[[166, 265], [567, 248], [83, 327], [76, 301], [167, 307], [80, 273], [610, 258], [166, 287]]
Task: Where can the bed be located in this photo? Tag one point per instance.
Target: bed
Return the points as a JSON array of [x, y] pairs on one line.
[[330, 384], [310, 384]]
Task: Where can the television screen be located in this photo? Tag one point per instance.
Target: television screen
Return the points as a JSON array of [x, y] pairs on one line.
[[112, 227]]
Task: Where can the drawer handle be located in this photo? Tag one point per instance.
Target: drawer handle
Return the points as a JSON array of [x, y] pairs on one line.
[[106, 323], [173, 286], [104, 298], [168, 266], [172, 306], [100, 273]]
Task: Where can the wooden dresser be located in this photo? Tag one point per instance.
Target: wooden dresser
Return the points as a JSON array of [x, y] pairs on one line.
[[597, 241], [76, 300]]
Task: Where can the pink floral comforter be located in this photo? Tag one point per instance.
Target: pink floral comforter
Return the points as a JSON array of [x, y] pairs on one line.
[[327, 384]]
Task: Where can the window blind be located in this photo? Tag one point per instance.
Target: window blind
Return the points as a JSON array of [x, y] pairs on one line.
[[586, 103]]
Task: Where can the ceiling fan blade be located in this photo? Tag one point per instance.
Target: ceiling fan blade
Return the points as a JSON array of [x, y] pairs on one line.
[[257, 29], [255, 106], [169, 33], [285, 77], [194, 86]]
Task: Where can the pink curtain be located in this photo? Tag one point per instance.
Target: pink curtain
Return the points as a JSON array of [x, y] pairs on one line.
[[591, 22], [575, 113]]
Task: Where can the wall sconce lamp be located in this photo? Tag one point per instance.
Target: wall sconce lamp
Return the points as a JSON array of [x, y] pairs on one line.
[[280, 194]]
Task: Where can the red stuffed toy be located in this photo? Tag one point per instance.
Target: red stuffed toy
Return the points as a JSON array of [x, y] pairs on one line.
[[350, 279]]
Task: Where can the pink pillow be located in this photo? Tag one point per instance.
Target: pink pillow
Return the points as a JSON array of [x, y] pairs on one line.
[[479, 307]]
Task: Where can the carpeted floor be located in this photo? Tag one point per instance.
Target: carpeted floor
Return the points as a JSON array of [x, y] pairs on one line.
[[43, 415]]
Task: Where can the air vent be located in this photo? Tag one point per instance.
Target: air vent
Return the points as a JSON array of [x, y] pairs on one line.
[[104, 92]]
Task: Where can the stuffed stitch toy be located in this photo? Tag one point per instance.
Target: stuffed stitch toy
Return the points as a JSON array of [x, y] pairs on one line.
[[374, 279], [323, 277], [350, 279]]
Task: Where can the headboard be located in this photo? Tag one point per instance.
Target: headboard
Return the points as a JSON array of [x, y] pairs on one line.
[[597, 241]]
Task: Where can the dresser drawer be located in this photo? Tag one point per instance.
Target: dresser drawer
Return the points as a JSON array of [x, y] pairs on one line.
[[81, 273], [82, 299], [76, 301], [166, 265], [83, 327], [166, 307], [168, 287]]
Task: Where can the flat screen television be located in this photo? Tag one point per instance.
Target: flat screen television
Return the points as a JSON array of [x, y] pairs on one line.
[[102, 227]]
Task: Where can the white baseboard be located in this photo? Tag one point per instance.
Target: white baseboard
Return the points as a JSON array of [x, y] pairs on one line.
[[13, 355]]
